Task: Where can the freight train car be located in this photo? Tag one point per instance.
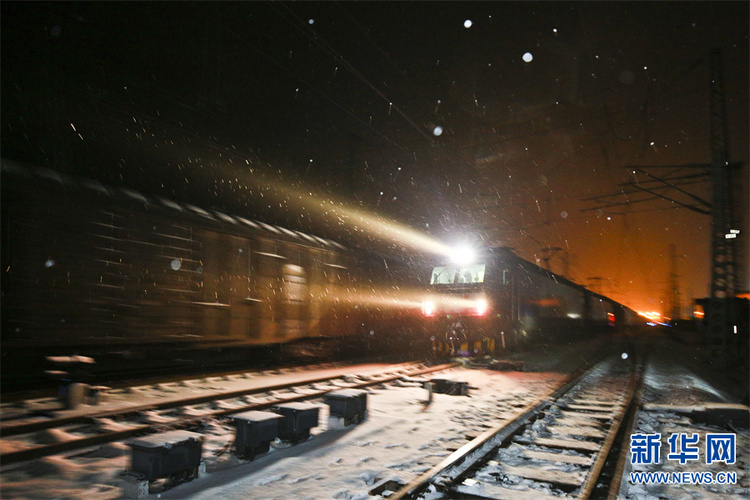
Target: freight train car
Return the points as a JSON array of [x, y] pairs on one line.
[[89, 269], [498, 301]]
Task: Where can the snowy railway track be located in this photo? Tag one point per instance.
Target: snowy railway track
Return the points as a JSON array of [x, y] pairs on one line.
[[93, 429], [557, 448]]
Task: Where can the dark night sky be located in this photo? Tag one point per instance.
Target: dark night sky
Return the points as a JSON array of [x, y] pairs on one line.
[[207, 102]]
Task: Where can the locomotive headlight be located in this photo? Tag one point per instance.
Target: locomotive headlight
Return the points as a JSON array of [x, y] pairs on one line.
[[462, 255], [481, 307], [428, 308]]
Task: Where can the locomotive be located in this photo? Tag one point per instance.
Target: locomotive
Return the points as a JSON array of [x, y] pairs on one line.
[[497, 302], [93, 270], [101, 271]]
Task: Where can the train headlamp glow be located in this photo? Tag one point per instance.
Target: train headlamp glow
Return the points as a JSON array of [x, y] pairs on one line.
[[481, 307], [428, 308], [462, 256]]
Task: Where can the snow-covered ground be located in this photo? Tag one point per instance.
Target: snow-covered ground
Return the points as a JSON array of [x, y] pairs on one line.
[[677, 382], [402, 437]]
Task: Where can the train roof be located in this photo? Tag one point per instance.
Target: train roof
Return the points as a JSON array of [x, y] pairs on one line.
[[509, 255], [211, 217]]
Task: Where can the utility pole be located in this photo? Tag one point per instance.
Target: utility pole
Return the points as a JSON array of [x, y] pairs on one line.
[[548, 252]]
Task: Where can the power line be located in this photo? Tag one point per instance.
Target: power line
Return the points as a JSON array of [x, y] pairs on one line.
[[328, 49]]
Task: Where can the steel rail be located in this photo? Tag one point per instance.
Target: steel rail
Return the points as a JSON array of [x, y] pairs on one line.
[[10, 429], [453, 469], [592, 477], [76, 444], [622, 459], [472, 452]]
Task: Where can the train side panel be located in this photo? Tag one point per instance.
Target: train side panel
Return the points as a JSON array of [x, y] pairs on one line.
[[87, 268], [77, 272], [549, 308]]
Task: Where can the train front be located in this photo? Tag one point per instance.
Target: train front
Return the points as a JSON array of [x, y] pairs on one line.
[[458, 310]]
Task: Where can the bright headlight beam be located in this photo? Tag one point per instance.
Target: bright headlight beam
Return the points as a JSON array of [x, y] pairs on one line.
[[355, 219], [462, 255], [481, 307], [428, 308]]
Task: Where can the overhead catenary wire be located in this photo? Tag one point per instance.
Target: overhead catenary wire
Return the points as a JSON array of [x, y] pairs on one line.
[[309, 85], [152, 85], [329, 50]]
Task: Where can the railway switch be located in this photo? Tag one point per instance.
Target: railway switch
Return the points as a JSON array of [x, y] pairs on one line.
[[255, 430], [299, 418], [348, 406]]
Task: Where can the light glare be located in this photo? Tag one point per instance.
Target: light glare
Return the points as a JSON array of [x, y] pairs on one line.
[[462, 255], [360, 220], [454, 304], [481, 307]]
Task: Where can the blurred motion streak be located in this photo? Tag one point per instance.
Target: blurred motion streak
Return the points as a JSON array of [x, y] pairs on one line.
[[355, 219]]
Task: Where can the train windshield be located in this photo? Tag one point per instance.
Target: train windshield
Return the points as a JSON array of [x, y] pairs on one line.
[[449, 275]]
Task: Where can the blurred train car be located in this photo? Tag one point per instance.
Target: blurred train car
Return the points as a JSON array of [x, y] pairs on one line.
[[500, 302], [90, 269]]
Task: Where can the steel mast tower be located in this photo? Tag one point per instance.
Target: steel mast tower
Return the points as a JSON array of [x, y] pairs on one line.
[[674, 303], [721, 335], [721, 322]]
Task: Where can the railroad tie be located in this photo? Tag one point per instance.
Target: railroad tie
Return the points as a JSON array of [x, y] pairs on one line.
[[569, 444], [572, 479], [582, 431], [595, 416], [488, 491], [556, 457]]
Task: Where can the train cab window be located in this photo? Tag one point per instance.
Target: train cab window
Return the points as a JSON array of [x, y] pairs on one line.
[[449, 275]]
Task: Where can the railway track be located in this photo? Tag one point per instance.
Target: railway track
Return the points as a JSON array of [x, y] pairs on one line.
[[557, 448], [94, 429]]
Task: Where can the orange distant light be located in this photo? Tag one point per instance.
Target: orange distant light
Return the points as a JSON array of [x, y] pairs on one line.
[[650, 315]]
